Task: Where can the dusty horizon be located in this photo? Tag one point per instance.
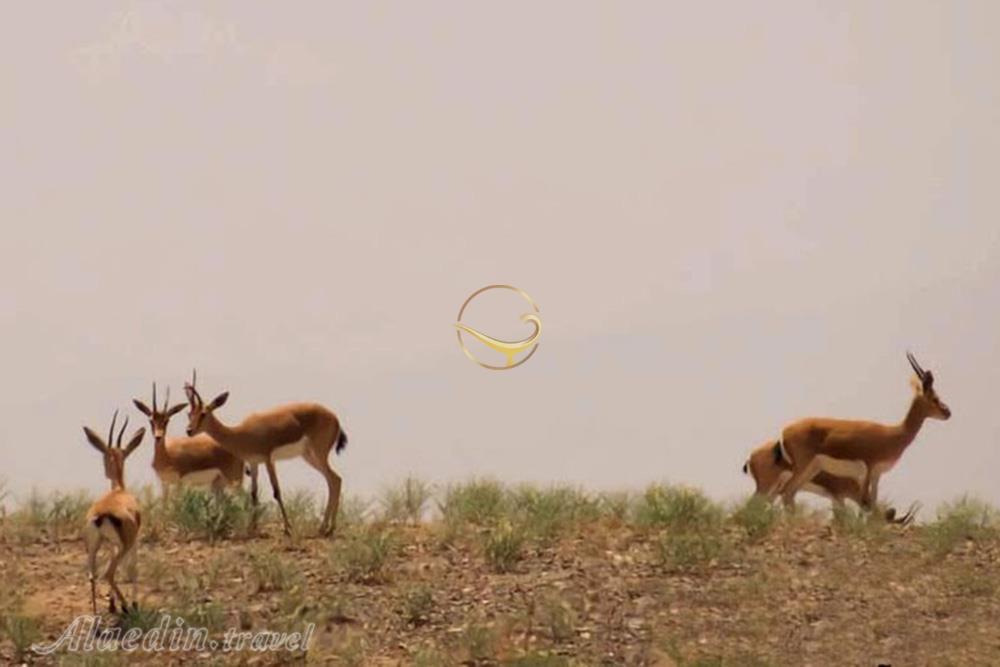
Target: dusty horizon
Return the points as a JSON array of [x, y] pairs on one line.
[[730, 219]]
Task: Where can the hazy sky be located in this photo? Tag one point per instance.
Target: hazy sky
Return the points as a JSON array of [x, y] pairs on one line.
[[731, 215]]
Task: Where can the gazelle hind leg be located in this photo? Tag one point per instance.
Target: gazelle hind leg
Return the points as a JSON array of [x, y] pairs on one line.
[[109, 576], [333, 484], [93, 544], [810, 470]]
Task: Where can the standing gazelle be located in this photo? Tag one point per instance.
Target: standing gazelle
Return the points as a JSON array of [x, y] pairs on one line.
[[863, 450], [195, 461], [308, 430], [114, 517]]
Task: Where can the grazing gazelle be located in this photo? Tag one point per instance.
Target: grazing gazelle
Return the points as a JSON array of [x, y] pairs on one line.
[[771, 472], [306, 430], [114, 517], [196, 460], [862, 450]]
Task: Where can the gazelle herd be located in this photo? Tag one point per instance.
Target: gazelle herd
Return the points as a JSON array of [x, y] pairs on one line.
[[212, 454], [837, 458]]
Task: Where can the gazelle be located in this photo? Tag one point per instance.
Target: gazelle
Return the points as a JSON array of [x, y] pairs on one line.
[[771, 473], [115, 516], [862, 450], [195, 461], [306, 430]]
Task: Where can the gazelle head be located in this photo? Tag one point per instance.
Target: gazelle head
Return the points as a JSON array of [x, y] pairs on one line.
[[159, 416], [199, 411], [766, 467], [114, 456], [923, 384]]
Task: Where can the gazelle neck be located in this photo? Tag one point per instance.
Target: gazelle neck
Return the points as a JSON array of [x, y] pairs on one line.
[[118, 481], [910, 426], [160, 450], [215, 428]]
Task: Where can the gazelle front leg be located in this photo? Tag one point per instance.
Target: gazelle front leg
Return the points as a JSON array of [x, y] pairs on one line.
[[273, 475], [871, 490], [799, 479]]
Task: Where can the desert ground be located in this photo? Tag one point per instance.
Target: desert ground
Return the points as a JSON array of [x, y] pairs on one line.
[[483, 573]]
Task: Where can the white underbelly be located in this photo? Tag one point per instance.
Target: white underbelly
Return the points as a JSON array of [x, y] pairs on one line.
[[881, 468], [289, 451], [201, 477], [844, 468], [811, 487]]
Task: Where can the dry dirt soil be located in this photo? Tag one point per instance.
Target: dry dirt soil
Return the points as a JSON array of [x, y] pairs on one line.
[[805, 594]]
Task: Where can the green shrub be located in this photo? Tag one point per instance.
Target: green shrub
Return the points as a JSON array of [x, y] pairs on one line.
[[756, 517], [480, 644], [270, 571], [503, 546], [352, 512], [417, 605], [302, 510], [690, 549], [364, 554], [212, 516], [958, 521], [616, 505], [22, 631], [479, 502], [677, 507], [406, 502], [547, 513]]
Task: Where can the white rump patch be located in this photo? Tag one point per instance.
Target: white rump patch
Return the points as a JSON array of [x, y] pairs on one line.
[[784, 452], [106, 531], [289, 451]]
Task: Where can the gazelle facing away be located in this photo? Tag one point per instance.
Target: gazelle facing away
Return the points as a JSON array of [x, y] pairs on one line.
[[771, 472], [306, 430], [195, 461], [114, 517], [861, 450]]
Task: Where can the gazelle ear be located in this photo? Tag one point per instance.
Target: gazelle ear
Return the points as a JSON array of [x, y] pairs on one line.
[[95, 440], [142, 407], [218, 401], [177, 408], [916, 384], [135, 441]]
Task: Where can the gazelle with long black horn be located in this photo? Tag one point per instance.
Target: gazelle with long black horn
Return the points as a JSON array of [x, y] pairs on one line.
[[189, 460], [863, 450], [115, 516], [306, 430]]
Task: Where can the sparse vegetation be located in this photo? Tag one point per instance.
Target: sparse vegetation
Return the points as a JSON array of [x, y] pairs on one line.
[[529, 576], [363, 554], [22, 631], [480, 502], [756, 517], [406, 502], [503, 546], [417, 605], [677, 508], [959, 521], [201, 514]]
